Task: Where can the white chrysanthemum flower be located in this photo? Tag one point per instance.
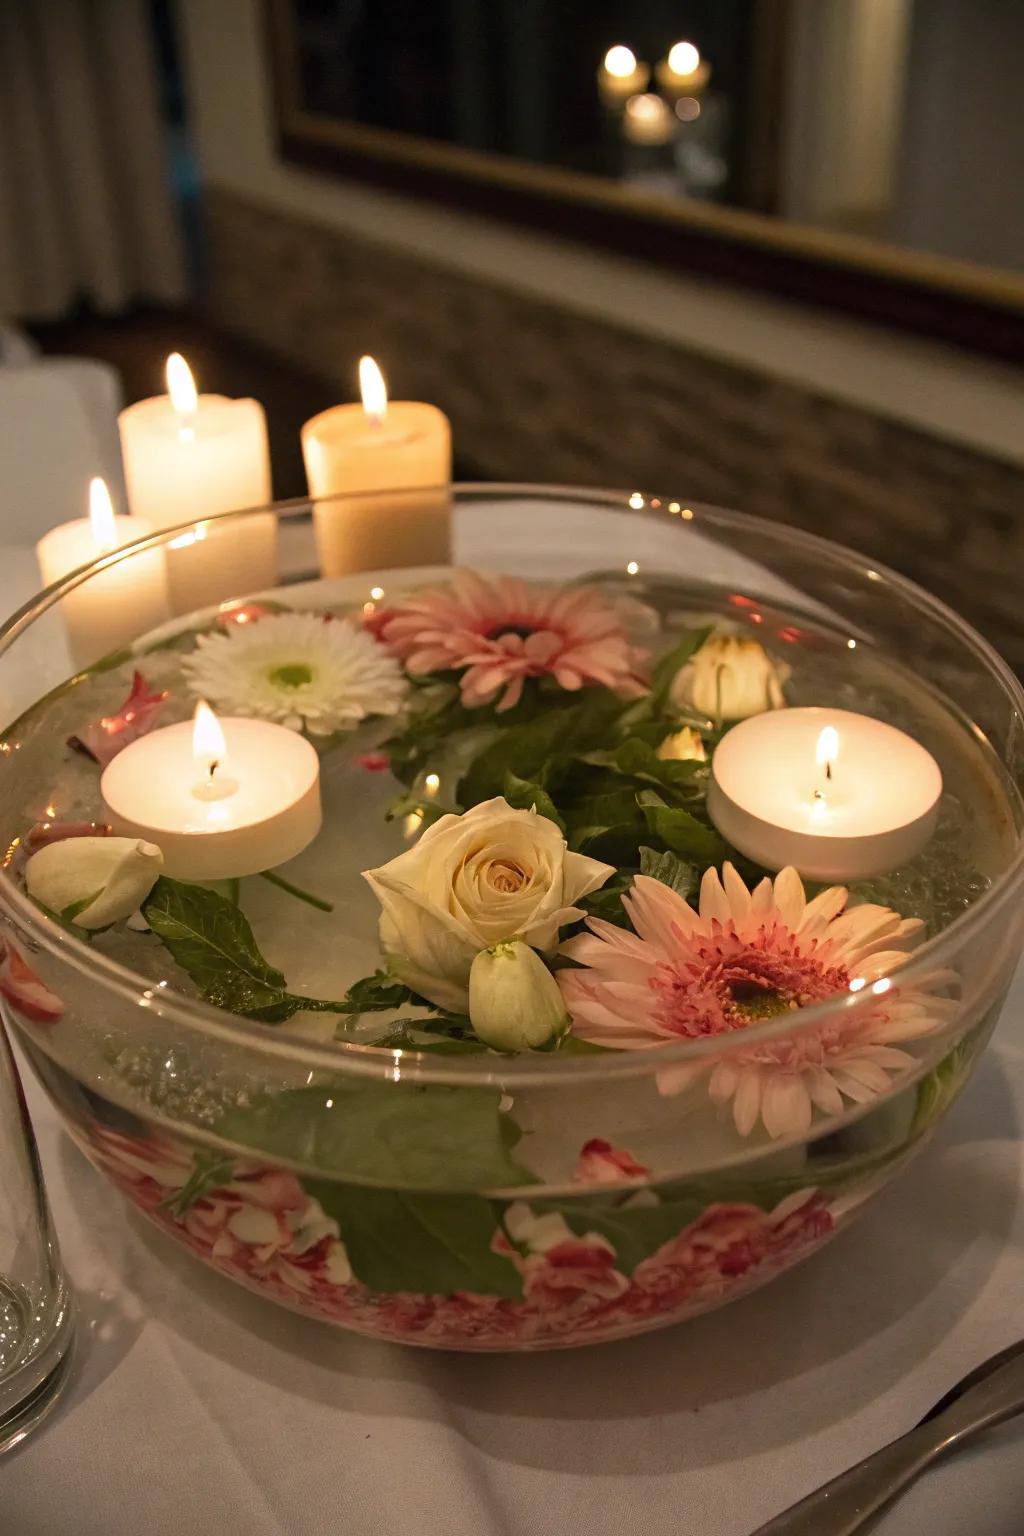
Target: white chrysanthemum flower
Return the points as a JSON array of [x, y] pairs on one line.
[[298, 669]]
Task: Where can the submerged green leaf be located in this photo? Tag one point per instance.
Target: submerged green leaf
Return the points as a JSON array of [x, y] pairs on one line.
[[427, 1243], [405, 1135], [210, 1170], [374, 994]]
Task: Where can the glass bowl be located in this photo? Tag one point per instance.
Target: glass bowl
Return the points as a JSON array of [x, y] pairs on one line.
[[379, 1189]]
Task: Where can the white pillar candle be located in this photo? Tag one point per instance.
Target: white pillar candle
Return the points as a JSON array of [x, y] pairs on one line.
[[189, 456], [683, 72], [836, 794], [221, 799], [402, 448], [113, 606], [621, 76]]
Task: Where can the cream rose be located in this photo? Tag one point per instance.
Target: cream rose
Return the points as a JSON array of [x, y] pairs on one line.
[[470, 882], [729, 678]]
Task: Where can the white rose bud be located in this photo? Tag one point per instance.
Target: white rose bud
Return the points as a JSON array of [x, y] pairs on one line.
[[683, 746], [729, 678], [514, 1001], [111, 875]]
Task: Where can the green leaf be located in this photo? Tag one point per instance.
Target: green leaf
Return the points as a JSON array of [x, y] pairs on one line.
[[638, 760], [668, 665], [525, 749], [405, 1036], [939, 1087], [527, 795], [374, 994], [572, 1045], [607, 902], [680, 831], [211, 939], [437, 1244], [612, 845], [637, 1231], [210, 1170], [610, 809], [400, 1134], [415, 803], [670, 869]]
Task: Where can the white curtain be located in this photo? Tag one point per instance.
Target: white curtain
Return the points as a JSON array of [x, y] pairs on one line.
[[85, 199]]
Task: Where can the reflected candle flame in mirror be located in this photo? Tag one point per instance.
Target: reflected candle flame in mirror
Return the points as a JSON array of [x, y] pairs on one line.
[[620, 61], [683, 58]]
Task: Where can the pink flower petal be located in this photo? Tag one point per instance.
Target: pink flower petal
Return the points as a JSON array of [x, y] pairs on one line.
[[105, 738]]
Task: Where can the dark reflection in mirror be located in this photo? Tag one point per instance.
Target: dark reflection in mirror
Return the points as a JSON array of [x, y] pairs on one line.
[[892, 119]]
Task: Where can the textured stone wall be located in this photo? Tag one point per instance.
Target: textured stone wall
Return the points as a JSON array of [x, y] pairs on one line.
[[538, 393]]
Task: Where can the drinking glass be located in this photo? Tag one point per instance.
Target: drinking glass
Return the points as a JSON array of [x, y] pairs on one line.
[[36, 1318]]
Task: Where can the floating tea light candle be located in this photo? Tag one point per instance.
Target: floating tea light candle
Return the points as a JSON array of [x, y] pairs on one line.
[[399, 449], [114, 605], [837, 795], [189, 456], [220, 798]]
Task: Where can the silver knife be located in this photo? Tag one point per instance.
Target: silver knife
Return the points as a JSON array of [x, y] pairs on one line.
[[988, 1396]]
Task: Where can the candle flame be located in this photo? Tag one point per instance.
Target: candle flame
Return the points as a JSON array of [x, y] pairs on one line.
[[208, 745], [181, 386], [620, 61], [683, 58], [101, 515], [373, 389], [827, 749]]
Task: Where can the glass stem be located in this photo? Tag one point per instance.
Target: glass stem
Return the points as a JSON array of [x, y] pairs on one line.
[[297, 891]]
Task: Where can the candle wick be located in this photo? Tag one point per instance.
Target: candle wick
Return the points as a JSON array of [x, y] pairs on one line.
[[828, 770], [213, 767], [818, 795]]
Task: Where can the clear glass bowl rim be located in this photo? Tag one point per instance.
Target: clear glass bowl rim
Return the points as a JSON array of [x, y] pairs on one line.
[[536, 1069]]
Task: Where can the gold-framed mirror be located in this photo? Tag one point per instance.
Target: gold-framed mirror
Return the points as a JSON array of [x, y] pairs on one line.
[[861, 155]]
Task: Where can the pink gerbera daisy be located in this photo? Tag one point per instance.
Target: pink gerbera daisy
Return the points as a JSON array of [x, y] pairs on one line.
[[744, 957], [498, 631]]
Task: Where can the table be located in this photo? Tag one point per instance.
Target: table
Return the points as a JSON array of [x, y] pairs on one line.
[[195, 1408]]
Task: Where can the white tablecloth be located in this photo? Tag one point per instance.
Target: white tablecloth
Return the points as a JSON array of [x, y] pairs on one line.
[[198, 1409]]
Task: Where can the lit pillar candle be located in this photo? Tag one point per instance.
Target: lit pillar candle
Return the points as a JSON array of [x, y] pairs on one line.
[[189, 456], [621, 76], [220, 798], [400, 449], [837, 795], [113, 606], [683, 72]]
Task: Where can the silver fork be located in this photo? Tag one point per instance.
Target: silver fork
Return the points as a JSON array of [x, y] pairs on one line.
[[987, 1396]]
